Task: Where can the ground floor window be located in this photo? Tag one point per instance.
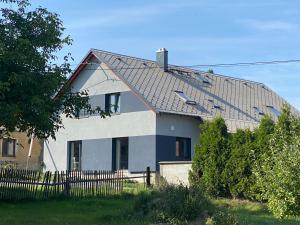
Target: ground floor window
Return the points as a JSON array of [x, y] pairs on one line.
[[120, 153], [8, 147], [74, 155], [183, 149]]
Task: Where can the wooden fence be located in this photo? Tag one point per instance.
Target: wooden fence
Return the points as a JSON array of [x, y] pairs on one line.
[[26, 184]]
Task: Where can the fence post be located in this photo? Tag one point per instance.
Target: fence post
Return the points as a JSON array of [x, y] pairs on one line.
[[67, 184], [148, 183]]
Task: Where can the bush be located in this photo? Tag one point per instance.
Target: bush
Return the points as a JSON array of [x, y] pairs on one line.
[[222, 218], [278, 174], [238, 169], [210, 157], [173, 204]]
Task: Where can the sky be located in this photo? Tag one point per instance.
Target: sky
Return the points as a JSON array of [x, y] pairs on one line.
[[194, 32]]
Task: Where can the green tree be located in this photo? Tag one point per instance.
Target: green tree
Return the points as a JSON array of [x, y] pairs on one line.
[[280, 167], [29, 77], [262, 136], [238, 169], [210, 157]]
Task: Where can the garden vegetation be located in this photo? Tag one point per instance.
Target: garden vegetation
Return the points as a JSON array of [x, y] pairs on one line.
[[261, 165]]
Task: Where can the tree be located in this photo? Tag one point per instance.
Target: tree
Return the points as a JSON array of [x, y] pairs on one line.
[[279, 180], [210, 71], [238, 170], [29, 77], [210, 157]]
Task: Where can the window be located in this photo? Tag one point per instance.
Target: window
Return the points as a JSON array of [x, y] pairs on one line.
[[258, 110], [183, 148], [185, 98], [74, 155], [202, 79], [8, 147], [120, 153], [112, 103], [273, 110], [214, 105]]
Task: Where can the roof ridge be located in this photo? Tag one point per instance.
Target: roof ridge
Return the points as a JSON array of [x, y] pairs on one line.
[[180, 67], [128, 56]]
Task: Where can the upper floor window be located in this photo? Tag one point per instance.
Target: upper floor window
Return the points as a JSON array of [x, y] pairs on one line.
[[112, 102], [8, 147]]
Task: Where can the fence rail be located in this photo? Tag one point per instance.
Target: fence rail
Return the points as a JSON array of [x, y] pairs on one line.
[[26, 184]]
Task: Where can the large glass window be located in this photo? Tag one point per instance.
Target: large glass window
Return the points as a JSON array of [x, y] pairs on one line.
[[112, 102], [120, 153], [74, 155], [8, 147], [182, 151]]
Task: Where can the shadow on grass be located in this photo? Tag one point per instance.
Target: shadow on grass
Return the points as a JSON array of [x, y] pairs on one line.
[[252, 213]]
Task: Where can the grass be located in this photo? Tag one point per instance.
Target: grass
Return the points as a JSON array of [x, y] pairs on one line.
[[252, 213], [104, 211], [114, 210]]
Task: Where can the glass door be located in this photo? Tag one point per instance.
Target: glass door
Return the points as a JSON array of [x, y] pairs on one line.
[[74, 155], [120, 153]]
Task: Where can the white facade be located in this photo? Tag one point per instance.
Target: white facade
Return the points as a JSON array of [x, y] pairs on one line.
[[151, 136], [91, 128]]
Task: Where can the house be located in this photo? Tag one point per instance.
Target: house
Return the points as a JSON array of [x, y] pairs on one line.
[[156, 111], [14, 152]]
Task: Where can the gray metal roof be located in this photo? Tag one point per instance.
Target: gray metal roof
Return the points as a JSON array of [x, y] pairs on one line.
[[236, 100]]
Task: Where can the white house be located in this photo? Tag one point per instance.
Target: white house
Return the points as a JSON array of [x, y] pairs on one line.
[[157, 109]]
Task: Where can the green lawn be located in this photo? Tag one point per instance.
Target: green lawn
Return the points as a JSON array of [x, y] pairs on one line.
[[112, 211], [251, 213], [109, 211]]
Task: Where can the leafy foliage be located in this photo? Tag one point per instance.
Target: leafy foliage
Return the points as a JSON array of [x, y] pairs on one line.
[[263, 165], [222, 218], [238, 169], [29, 79], [278, 174], [211, 154], [173, 205]]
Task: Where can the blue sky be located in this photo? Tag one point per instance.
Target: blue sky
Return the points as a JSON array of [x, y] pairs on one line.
[[194, 32]]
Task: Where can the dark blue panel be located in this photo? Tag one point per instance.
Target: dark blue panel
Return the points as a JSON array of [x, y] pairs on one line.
[[166, 149]]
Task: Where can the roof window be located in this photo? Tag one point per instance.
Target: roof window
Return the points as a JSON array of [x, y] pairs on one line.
[[185, 98], [273, 110], [214, 105], [258, 110], [202, 79]]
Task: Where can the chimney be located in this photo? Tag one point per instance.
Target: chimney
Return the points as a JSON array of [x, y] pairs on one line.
[[162, 58]]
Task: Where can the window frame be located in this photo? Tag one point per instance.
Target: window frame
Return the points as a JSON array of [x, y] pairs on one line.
[[70, 166], [109, 106], [14, 147], [117, 154], [186, 152]]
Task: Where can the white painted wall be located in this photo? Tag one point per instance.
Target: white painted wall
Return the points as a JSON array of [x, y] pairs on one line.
[[142, 153], [98, 81], [121, 125], [96, 154]]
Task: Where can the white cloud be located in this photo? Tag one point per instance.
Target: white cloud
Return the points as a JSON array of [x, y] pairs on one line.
[[270, 25]]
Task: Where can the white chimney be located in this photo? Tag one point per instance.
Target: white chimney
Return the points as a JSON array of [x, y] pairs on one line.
[[162, 58]]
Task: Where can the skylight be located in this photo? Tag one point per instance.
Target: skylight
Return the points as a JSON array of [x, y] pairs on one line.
[[214, 105], [200, 78], [273, 110], [185, 98], [258, 110]]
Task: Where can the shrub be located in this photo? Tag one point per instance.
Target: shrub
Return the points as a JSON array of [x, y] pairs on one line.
[[279, 170], [210, 157], [238, 169], [173, 204], [222, 218]]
